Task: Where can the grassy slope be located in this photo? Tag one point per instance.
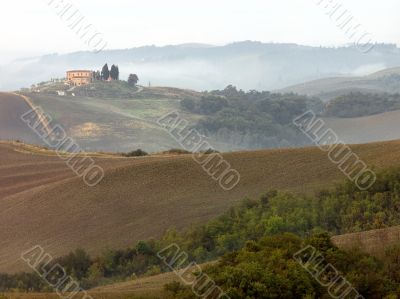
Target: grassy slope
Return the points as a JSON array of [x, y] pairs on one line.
[[122, 123], [119, 125], [140, 198]]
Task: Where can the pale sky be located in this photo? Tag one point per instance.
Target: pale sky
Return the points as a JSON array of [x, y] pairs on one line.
[[31, 27]]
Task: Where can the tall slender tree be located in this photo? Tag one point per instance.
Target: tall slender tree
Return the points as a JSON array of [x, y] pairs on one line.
[[114, 72], [105, 72], [117, 72]]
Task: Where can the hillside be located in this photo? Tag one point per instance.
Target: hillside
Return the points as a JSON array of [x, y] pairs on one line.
[[366, 129], [103, 123], [146, 287], [12, 107], [372, 242], [328, 88], [113, 116], [24, 167], [109, 121], [141, 197]]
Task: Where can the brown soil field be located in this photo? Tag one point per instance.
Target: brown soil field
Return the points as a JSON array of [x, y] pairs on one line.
[[24, 167], [43, 203], [373, 242]]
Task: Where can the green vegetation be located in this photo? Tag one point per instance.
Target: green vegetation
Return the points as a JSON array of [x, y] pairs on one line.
[[357, 104], [133, 79], [136, 153], [254, 119], [114, 72], [105, 72], [110, 90], [252, 237], [207, 105], [267, 269]]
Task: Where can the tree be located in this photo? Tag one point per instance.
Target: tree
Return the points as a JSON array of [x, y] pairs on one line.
[[189, 104], [114, 73], [105, 72], [97, 76], [117, 72], [133, 79]]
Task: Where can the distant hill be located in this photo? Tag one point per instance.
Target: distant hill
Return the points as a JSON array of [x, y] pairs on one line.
[[248, 65], [386, 81], [140, 198]]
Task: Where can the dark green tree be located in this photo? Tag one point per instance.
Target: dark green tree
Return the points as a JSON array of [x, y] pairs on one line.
[[105, 72], [133, 79], [114, 72], [117, 72]]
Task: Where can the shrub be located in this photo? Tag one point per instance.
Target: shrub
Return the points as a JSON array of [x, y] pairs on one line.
[[136, 153]]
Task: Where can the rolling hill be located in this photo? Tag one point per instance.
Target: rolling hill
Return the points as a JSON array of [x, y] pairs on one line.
[[110, 123], [103, 123], [99, 121], [383, 81], [140, 198]]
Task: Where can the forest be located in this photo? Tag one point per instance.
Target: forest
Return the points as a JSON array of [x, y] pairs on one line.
[[254, 119]]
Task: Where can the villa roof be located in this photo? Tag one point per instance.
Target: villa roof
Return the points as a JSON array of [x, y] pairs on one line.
[[76, 71], [80, 77]]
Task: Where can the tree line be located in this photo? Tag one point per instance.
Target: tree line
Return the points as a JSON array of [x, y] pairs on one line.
[[357, 104], [112, 73]]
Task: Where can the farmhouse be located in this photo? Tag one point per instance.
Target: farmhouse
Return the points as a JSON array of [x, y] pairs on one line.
[[79, 77]]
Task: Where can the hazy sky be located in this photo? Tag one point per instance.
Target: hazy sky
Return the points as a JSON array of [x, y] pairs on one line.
[[31, 27]]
